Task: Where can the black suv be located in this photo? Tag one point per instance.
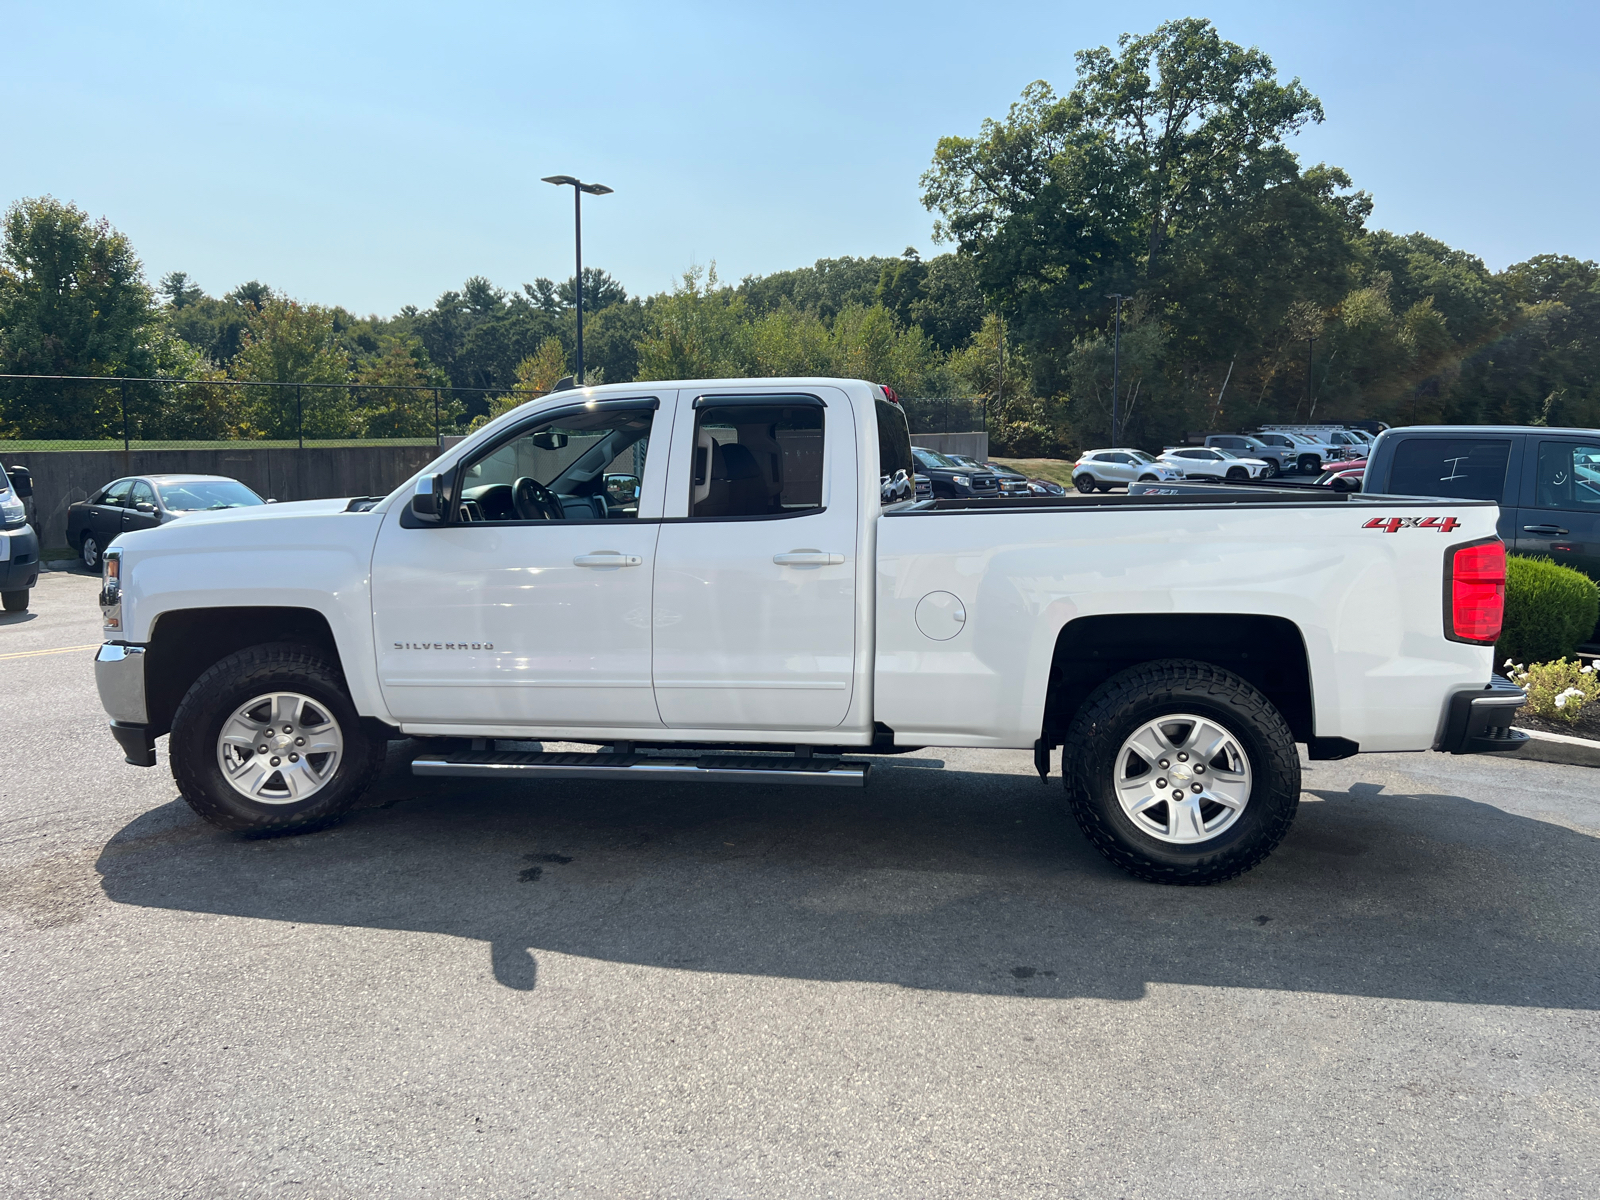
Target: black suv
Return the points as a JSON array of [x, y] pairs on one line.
[[950, 478]]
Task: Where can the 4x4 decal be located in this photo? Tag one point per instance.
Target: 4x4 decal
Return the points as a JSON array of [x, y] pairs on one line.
[[1396, 524]]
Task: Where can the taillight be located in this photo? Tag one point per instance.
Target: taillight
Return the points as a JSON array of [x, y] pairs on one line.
[[1475, 595]]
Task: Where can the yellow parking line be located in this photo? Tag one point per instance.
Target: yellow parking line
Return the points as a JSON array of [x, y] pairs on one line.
[[57, 650]]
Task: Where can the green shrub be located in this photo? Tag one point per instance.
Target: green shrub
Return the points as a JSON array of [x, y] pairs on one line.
[[1557, 691], [1550, 610]]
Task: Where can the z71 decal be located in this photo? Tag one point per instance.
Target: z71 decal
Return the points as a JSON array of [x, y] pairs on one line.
[[1396, 524]]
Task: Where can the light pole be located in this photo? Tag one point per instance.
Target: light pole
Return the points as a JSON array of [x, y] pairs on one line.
[[578, 189], [1116, 366]]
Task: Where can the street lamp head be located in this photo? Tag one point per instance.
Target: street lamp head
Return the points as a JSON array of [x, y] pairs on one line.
[[594, 189]]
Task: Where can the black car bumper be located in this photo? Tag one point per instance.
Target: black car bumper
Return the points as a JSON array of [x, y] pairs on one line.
[[20, 568], [1479, 722]]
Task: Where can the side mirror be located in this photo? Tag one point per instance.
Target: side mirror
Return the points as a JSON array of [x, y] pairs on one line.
[[549, 439], [21, 481], [145, 506], [425, 501], [622, 489]]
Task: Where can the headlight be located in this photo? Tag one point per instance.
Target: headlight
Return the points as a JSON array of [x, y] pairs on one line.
[[961, 480]]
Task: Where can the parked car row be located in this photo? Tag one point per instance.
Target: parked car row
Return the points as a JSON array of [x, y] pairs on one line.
[[1330, 452], [958, 475]]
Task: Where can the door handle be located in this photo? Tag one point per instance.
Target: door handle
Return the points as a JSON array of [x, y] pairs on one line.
[[607, 558], [807, 558], [1547, 530]]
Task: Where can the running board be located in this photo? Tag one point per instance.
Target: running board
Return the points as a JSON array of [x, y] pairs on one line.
[[704, 768]]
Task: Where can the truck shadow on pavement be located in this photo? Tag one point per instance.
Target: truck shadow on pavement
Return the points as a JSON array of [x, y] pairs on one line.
[[943, 880]]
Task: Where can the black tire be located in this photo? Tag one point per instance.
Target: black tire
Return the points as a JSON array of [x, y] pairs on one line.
[[89, 551], [1126, 701], [232, 682], [1237, 473], [1085, 484], [16, 601], [1310, 464], [1148, 479], [1273, 469]]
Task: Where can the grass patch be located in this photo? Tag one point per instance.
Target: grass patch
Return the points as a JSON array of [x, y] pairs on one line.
[[1057, 470]]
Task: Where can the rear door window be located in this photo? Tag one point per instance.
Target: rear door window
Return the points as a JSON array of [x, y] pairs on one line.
[[757, 460], [1568, 477], [116, 494], [1464, 468]]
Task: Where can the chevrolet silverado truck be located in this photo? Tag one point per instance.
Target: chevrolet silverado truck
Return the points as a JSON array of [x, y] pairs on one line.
[[768, 602]]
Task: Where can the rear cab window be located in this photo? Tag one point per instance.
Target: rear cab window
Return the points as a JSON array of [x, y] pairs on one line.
[[1465, 468]]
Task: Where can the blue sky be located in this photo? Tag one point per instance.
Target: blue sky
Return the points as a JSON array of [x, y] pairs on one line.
[[374, 155]]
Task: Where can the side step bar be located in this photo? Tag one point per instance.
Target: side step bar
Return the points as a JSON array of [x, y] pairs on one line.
[[703, 768]]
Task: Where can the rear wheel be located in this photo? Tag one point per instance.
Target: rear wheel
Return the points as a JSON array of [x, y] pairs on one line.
[[267, 741], [16, 601], [1084, 483], [1181, 772], [89, 552]]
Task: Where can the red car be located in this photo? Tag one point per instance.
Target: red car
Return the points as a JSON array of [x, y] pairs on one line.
[[1345, 476]]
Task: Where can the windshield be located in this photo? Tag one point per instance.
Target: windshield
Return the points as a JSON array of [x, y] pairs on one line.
[[204, 494], [932, 458], [1225, 453], [1140, 456]]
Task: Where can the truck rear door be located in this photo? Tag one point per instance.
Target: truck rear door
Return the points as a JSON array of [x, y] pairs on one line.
[[755, 593]]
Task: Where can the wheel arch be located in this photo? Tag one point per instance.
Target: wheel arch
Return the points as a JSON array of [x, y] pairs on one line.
[[1269, 652], [185, 642]]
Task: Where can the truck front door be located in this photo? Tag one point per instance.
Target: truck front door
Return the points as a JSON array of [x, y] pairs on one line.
[[755, 599], [530, 604]]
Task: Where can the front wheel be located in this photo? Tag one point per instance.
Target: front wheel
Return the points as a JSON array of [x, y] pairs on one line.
[[89, 552], [1310, 464], [1085, 484], [1181, 772], [267, 741], [16, 601], [1238, 473], [1148, 479]]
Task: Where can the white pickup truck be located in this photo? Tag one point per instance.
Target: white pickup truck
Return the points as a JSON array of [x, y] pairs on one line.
[[732, 580]]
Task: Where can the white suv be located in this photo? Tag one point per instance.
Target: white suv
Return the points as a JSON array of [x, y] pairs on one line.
[[1105, 469], [1207, 462]]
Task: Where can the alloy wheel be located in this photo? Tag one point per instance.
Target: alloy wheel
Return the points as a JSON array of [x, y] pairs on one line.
[[1182, 778], [280, 748]]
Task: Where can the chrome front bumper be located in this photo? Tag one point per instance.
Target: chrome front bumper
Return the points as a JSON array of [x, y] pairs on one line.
[[119, 674]]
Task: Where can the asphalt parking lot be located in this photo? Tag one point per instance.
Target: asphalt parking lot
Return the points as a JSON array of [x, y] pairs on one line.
[[930, 988]]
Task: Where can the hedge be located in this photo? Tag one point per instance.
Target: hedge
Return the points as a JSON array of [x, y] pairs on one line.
[[1550, 611]]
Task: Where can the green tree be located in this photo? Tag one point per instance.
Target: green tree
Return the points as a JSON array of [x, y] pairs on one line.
[[1164, 173], [289, 342], [399, 399], [73, 301]]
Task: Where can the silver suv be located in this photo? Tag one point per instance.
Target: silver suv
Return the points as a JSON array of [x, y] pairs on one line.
[[1105, 469]]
